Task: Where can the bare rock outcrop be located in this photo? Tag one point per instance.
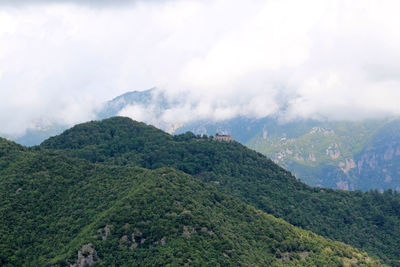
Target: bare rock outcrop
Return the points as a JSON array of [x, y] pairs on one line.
[[333, 151], [87, 256], [105, 232], [347, 165]]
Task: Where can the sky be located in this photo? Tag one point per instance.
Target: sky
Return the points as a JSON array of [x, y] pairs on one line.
[[321, 59]]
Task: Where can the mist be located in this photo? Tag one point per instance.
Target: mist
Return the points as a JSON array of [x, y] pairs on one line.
[[218, 59]]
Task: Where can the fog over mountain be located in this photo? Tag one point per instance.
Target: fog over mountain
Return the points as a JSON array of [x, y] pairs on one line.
[[59, 60]]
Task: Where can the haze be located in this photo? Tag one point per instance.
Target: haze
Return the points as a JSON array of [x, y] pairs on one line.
[[300, 59]]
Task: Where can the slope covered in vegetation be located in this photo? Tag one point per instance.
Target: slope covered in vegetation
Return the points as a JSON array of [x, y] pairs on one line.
[[61, 211], [368, 221], [340, 154], [351, 155]]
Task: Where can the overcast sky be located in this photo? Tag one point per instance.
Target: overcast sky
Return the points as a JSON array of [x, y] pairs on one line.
[[310, 58]]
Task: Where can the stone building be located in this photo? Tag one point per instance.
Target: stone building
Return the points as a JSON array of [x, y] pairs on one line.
[[226, 138]]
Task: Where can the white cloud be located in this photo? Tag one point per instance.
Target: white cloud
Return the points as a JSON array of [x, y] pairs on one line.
[[91, 3], [139, 113], [334, 59]]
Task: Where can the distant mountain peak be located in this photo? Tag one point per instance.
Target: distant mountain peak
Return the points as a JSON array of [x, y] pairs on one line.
[[114, 106]]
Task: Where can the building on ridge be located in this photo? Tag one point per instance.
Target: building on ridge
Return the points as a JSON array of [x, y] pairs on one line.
[[226, 138]]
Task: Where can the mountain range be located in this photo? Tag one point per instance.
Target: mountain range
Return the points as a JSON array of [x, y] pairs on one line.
[[120, 192], [347, 155], [337, 154]]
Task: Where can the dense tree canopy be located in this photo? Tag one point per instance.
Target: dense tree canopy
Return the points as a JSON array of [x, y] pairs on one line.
[[368, 221], [53, 207]]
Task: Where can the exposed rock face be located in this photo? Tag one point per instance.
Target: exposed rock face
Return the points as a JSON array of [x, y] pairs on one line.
[[134, 244], [322, 130], [376, 165], [347, 165], [389, 153], [367, 160], [265, 134], [87, 256], [298, 157], [333, 151], [133, 240], [313, 150], [105, 232]]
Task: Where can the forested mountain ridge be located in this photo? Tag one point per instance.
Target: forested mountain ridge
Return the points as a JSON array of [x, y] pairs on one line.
[[349, 155], [368, 221], [62, 211], [7, 147]]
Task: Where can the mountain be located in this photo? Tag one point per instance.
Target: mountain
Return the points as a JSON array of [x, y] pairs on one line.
[[368, 221], [153, 102], [345, 155], [43, 129], [337, 154], [39, 131], [143, 98], [349, 155], [61, 211], [379, 160]]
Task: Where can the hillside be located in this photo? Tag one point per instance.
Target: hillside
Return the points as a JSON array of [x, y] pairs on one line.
[[348, 155], [345, 155], [379, 160], [368, 221], [8, 148], [61, 211]]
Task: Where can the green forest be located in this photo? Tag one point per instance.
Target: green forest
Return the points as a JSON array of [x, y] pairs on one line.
[[120, 192]]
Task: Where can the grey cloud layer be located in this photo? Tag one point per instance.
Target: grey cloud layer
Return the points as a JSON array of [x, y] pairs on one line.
[[314, 58], [94, 3]]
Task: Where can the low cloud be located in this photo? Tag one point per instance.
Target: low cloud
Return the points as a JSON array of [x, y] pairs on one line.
[[213, 59]]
